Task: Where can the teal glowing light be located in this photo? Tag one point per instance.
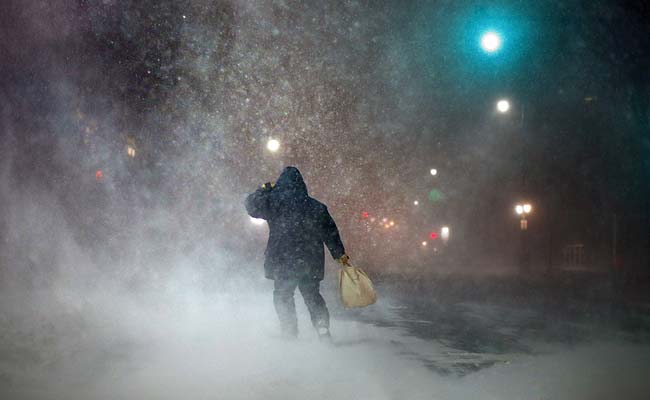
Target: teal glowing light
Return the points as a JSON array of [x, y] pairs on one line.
[[490, 42], [435, 196]]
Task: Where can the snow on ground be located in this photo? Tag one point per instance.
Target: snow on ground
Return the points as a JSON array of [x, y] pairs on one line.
[[183, 343]]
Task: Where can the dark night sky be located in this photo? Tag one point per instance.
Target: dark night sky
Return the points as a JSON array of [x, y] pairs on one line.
[[364, 96]]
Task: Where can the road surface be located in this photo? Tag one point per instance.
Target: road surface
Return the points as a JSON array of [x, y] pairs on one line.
[[449, 339]]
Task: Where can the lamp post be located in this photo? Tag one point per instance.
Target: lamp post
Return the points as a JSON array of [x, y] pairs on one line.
[[505, 107], [523, 210]]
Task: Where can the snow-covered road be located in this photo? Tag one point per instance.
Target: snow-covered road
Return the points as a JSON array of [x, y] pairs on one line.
[[184, 343]]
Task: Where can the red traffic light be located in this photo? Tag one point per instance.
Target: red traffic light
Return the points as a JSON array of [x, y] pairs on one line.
[[433, 235], [365, 214], [99, 175]]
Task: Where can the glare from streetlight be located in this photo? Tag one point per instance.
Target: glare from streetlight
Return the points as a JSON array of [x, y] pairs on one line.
[[257, 221], [525, 208], [415, 203], [130, 151], [503, 106], [273, 145], [444, 233], [433, 171], [491, 42], [424, 243]]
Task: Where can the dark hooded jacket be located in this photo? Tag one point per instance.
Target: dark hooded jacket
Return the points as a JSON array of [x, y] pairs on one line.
[[298, 227]]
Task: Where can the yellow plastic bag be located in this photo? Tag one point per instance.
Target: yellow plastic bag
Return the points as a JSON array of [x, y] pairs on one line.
[[356, 288]]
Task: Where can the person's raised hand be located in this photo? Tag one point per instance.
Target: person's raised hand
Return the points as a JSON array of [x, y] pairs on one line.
[[268, 186]]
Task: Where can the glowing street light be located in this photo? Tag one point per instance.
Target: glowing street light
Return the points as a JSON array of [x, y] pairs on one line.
[[257, 221], [444, 233], [273, 145], [424, 243], [524, 255], [433, 172], [130, 147], [503, 106], [523, 210], [130, 151], [415, 203], [490, 42]]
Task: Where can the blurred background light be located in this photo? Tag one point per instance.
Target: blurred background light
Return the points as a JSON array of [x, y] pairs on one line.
[[491, 42], [273, 145], [503, 106], [444, 233]]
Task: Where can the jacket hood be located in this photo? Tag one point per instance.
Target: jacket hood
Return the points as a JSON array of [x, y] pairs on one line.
[[291, 180]]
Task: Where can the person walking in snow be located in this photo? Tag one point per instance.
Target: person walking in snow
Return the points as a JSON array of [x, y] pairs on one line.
[[299, 225]]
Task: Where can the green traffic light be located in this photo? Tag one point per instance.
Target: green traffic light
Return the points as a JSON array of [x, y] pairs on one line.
[[435, 196]]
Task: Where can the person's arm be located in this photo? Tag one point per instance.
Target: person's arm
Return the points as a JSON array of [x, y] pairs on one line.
[[258, 203], [331, 237]]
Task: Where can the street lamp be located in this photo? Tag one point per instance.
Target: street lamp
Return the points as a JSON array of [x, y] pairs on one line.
[[130, 151], [130, 147], [415, 203], [273, 145], [522, 210], [503, 106], [444, 233], [490, 42], [433, 172]]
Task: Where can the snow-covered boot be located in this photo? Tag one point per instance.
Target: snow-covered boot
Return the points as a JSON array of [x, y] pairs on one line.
[[324, 335]]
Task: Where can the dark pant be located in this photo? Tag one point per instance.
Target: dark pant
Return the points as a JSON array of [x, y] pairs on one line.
[[286, 307]]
